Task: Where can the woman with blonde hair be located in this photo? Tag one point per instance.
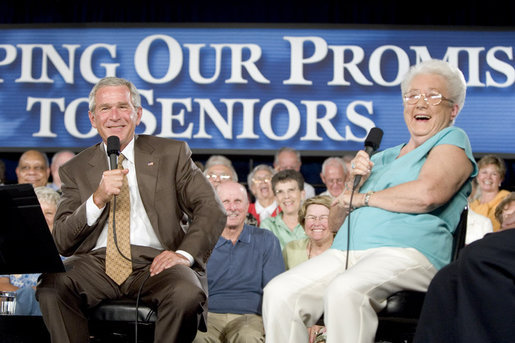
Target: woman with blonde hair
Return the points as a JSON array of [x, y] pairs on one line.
[[491, 174], [314, 218]]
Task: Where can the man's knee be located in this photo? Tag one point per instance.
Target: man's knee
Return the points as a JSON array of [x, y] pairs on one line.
[[247, 328], [186, 292], [52, 286]]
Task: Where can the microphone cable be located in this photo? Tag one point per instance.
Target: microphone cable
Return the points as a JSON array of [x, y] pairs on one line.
[[137, 308], [348, 227], [138, 296], [372, 142], [113, 150]]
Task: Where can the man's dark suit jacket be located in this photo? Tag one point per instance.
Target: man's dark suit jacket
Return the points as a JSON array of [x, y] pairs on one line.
[[169, 184]]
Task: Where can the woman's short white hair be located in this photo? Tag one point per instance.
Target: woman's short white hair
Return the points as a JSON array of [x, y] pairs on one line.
[[215, 160], [258, 168], [457, 85], [47, 195]]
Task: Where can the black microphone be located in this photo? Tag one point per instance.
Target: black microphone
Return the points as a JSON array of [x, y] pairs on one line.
[[372, 143], [113, 150]]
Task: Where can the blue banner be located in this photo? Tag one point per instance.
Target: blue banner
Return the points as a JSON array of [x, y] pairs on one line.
[[241, 89]]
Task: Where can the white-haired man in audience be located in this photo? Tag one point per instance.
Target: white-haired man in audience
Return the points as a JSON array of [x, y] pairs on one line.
[[333, 175]]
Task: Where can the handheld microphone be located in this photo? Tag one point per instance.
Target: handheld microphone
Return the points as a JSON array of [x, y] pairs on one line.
[[372, 143], [113, 150]]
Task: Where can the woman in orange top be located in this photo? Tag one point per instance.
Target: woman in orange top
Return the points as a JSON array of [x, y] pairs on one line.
[[491, 174]]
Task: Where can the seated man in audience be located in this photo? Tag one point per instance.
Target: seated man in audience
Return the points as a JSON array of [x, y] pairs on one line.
[[33, 168], [219, 169], [473, 299], [260, 185], [333, 175], [244, 259], [58, 160], [288, 158], [288, 187]]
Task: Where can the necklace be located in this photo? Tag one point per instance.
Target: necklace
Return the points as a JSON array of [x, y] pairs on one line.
[[309, 249]]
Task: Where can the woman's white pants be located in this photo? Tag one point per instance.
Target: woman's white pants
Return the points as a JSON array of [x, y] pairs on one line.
[[349, 299]]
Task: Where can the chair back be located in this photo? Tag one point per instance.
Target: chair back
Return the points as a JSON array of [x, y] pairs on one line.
[[460, 233]]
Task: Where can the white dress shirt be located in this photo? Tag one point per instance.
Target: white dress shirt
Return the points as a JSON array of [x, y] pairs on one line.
[[265, 212], [141, 232]]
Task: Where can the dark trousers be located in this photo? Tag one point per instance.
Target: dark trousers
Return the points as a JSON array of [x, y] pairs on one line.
[[177, 293], [473, 299]]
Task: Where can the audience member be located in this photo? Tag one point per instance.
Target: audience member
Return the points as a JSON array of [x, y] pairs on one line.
[[333, 175], [314, 218], [244, 259], [156, 181], [219, 169], [58, 160], [33, 168], [25, 284], [48, 199], [491, 173], [405, 209], [289, 193], [288, 158], [472, 300], [477, 226], [260, 185]]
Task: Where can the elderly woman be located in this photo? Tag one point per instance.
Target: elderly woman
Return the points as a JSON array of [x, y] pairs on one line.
[[48, 199], [260, 185], [491, 173], [314, 218], [406, 208], [24, 284]]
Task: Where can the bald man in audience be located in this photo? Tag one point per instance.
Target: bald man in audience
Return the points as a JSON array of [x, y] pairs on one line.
[[33, 168], [244, 259], [58, 160]]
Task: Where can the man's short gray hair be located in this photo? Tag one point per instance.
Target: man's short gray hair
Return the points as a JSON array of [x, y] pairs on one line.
[[288, 149], [114, 81], [334, 161]]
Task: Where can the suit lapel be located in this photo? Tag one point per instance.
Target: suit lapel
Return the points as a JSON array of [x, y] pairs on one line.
[[147, 167], [98, 163]]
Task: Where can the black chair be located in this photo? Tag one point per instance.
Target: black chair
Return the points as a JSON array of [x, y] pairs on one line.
[[115, 320], [398, 320]]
